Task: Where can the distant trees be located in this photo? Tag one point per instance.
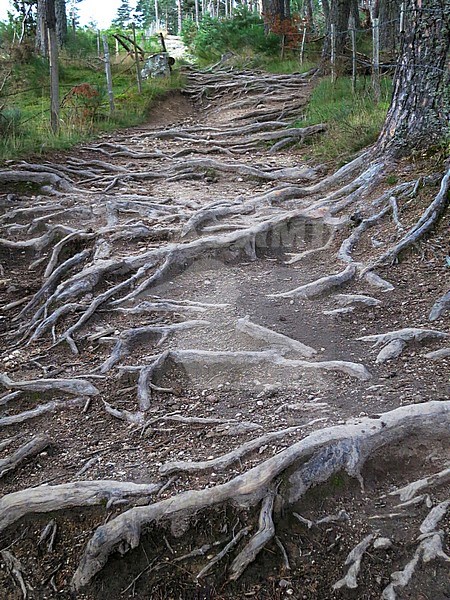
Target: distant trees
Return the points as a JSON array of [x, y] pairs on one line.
[[144, 13], [41, 40], [123, 17]]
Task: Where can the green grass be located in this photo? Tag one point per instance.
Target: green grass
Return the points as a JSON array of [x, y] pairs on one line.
[[353, 119], [24, 119]]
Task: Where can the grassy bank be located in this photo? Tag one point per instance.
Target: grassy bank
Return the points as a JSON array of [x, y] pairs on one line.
[[354, 120], [25, 102]]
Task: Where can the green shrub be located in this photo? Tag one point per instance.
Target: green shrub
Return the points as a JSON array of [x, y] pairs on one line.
[[214, 37]]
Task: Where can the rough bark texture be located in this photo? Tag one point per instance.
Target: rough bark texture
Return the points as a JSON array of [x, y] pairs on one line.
[[389, 15], [41, 44], [339, 16], [61, 21], [419, 111]]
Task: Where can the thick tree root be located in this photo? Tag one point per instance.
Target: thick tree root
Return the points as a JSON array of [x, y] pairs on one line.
[[265, 533], [46, 498], [244, 359], [359, 440]]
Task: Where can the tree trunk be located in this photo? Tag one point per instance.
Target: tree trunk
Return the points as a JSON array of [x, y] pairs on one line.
[[61, 21], [41, 41], [339, 16], [354, 13], [419, 113], [326, 14], [389, 12], [310, 13]]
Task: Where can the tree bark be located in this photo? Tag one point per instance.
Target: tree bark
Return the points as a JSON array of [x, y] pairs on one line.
[[389, 15], [354, 13], [61, 21], [41, 42], [310, 13], [419, 113], [339, 16]]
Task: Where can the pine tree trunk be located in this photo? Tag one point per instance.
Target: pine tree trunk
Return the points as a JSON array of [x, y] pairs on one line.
[[41, 41], [354, 13], [61, 21], [310, 13], [339, 16], [389, 15], [419, 114]]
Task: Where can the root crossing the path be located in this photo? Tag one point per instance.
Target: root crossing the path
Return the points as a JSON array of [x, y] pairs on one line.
[[190, 404]]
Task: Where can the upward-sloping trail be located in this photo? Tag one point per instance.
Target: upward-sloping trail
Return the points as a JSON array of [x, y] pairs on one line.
[[185, 316]]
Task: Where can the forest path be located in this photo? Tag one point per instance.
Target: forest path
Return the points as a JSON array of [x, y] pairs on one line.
[[152, 265]]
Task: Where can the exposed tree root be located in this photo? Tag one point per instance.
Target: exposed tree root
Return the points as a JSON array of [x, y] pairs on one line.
[[108, 239], [42, 409], [426, 222], [244, 359], [265, 533], [224, 461], [396, 341], [16, 569], [132, 336], [276, 340], [440, 306], [33, 447], [409, 491], [46, 498], [359, 441], [354, 560], [320, 286], [429, 548], [76, 387]]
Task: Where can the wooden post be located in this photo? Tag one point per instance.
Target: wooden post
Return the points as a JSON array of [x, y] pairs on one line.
[[50, 19], [302, 48], [353, 38], [376, 60], [333, 52], [107, 61], [98, 43], [163, 42], [136, 58]]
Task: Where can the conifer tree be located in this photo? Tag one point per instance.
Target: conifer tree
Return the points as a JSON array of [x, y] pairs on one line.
[[123, 16]]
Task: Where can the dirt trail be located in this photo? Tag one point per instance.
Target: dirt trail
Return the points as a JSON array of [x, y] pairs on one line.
[[155, 243]]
